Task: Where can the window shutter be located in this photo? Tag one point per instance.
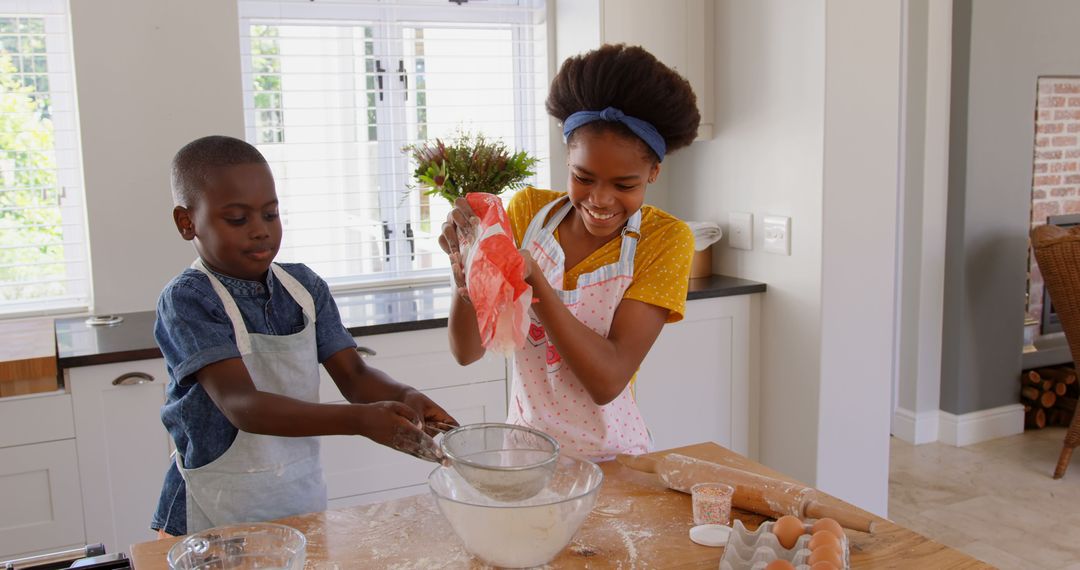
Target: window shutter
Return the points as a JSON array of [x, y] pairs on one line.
[[335, 90], [43, 248]]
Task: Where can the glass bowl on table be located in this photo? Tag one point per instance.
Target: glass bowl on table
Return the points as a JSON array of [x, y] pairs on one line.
[[524, 533], [266, 546]]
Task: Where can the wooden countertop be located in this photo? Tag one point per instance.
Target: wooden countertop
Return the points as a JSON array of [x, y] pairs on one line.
[[27, 356], [637, 523]]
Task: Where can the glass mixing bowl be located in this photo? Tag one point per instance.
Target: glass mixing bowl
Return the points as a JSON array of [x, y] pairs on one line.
[[503, 461], [241, 547], [525, 533]]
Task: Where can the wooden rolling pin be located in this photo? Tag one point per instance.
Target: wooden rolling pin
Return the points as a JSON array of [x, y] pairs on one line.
[[755, 493]]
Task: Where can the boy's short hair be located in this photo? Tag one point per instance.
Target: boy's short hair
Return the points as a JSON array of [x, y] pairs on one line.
[[194, 163]]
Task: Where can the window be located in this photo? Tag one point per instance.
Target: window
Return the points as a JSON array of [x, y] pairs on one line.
[[336, 88], [43, 253]]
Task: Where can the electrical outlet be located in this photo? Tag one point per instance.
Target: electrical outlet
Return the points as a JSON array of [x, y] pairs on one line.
[[777, 230], [741, 230]]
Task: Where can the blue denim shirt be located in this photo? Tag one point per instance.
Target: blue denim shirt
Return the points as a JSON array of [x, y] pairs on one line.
[[193, 331]]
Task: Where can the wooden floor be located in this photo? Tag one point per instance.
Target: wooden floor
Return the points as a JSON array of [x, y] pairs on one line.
[[995, 501]]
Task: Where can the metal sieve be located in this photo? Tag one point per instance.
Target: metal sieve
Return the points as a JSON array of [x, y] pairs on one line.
[[504, 462]]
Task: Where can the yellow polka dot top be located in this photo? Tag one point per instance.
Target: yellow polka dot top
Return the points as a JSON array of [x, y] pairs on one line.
[[661, 264]]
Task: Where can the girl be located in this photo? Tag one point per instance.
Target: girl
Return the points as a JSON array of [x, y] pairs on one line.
[[606, 271]]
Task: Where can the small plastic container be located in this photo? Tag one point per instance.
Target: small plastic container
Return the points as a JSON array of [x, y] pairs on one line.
[[712, 503]]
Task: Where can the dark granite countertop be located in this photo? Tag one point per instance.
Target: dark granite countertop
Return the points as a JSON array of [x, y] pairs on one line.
[[364, 313]]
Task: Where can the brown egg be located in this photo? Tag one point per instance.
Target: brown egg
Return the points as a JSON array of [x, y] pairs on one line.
[[829, 525], [779, 564], [823, 565], [830, 554], [824, 538], [788, 529]]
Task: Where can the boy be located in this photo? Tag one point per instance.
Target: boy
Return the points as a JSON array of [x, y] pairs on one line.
[[242, 338]]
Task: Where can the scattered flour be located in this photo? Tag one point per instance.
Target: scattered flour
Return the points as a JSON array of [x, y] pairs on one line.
[[630, 536], [614, 508]]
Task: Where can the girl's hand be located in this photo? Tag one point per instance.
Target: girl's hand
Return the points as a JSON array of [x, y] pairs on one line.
[[429, 411], [457, 268], [458, 231], [531, 268], [459, 227]]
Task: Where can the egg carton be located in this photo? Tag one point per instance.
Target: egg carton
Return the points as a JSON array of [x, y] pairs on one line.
[[748, 550]]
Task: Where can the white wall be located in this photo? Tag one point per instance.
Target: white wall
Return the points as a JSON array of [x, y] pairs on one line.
[[766, 157], [934, 206], [151, 76], [808, 102], [859, 264], [916, 418]]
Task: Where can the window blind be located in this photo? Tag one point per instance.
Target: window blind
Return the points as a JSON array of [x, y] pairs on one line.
[[334, 89], [44, 263]]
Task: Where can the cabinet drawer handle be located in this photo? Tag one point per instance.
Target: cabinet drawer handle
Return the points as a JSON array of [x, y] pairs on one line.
[[132, 378], [365, 351]]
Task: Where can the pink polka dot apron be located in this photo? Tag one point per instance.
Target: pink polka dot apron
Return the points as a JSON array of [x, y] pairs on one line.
[[546, 394]]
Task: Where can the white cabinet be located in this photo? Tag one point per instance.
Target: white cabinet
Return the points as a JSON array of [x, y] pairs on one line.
[[697, 383], [360, 471], [40, 499], [678, 32], [123, 447]]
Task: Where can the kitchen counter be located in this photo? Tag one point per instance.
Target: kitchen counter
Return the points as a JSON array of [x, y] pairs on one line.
[[27, 357], [637, 523], [364, 313]]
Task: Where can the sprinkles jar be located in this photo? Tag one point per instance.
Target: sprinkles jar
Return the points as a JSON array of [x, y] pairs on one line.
[[712, 503]]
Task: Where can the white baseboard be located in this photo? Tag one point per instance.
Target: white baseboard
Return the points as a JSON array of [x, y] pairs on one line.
[[916, 428], [983, 425], [958, 430]]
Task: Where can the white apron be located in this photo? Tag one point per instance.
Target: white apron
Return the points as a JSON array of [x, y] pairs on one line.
[[262, 477], [545, 394]]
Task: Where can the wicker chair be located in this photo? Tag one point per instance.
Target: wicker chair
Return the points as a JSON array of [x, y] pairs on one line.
[[1058, 252]]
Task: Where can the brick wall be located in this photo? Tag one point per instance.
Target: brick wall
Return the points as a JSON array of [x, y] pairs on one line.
[[1056, 173]]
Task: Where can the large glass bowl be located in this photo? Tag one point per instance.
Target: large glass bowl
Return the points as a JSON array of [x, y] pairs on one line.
[[503, 461], [525, 533], [241, 547]]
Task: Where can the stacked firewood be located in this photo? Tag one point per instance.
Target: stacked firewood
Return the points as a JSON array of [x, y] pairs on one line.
[[1049, 396]]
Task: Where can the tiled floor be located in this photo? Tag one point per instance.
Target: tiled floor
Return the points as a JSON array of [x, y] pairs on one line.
[[995, 500]]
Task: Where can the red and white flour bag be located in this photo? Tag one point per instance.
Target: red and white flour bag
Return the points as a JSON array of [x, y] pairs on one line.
[[495, 277]]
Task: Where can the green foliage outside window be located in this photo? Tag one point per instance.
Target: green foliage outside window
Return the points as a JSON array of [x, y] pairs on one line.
[[31, 230], [266, 63]]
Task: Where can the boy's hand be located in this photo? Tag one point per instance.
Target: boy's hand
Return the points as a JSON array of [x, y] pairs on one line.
[[396, 426], [429, 411]]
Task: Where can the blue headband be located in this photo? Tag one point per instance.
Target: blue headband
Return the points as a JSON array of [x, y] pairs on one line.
[[643, 129]]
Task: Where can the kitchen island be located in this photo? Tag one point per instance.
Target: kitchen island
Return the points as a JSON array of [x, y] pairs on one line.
[[637, 523]]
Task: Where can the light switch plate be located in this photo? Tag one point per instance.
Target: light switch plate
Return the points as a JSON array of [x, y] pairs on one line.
[[741, 230], [777, 230]]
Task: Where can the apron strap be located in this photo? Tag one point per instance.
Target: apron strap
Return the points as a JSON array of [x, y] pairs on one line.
[[537, 223], [243, 339], [630, 234], [627, 246], [299, 293]]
